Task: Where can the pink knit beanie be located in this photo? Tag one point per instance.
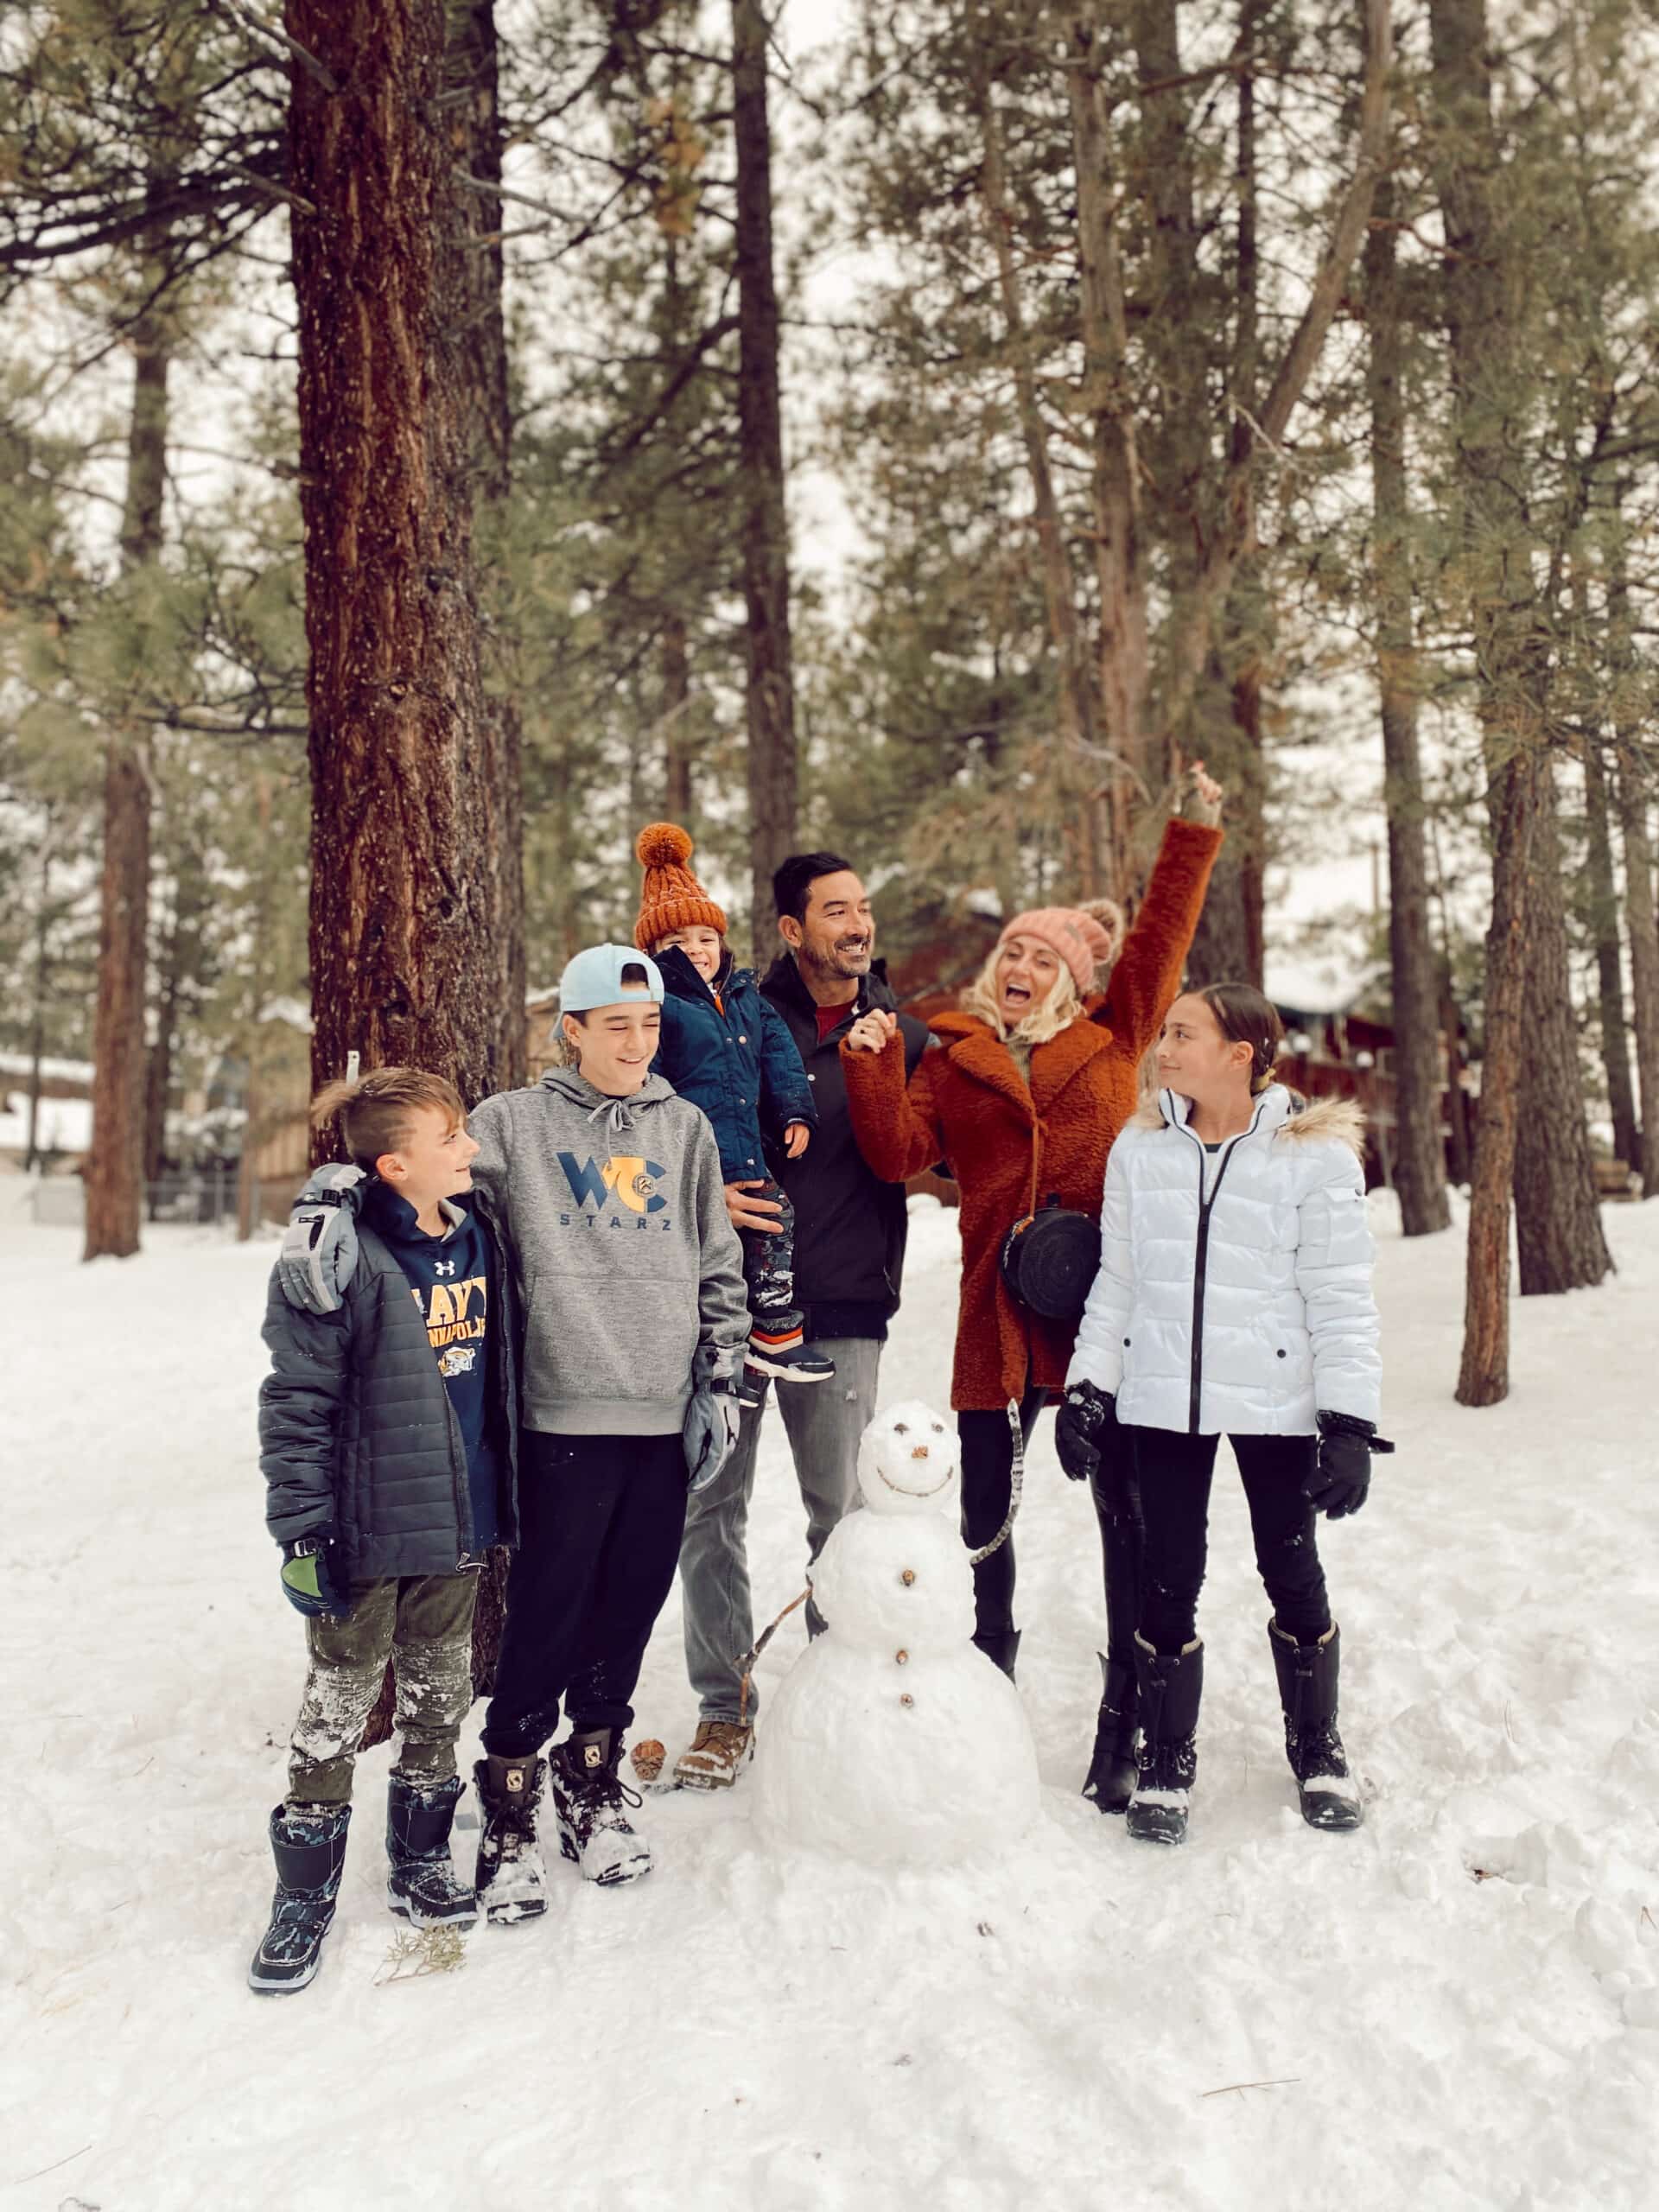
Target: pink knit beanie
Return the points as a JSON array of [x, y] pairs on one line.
[[1085, 938]]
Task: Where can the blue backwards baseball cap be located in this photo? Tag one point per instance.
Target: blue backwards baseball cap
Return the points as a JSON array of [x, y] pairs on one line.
[[594, 978]]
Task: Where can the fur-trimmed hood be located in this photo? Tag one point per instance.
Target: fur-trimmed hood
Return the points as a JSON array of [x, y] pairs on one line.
[[1300, 1121]]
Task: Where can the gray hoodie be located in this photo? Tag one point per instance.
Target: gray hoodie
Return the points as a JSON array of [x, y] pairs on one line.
[[612, 1214]]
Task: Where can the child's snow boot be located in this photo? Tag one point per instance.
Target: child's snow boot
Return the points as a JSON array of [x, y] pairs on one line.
[[423, 1884], [1111, 1770], [511, 1879], [1171, 1685], [588, 1797], [309, 1844], [1307, 1691], [716, 1755], [795, 1362]]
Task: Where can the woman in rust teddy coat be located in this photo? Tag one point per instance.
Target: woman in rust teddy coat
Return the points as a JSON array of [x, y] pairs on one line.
[[1037, 1074]]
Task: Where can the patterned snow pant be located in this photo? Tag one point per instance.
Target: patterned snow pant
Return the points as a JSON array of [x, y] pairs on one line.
[[423, 1624], [775, 1320]]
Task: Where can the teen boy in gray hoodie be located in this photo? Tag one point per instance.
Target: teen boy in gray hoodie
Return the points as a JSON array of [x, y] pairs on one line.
[[604, 1187]]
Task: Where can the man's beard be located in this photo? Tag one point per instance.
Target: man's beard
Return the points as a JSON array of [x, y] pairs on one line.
[[846, 957]]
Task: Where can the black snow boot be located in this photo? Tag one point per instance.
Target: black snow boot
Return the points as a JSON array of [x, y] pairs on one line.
[[590, 1799], [1000, 1647], [309, 1844], [1111, 1770], [1171, 1685], [1307, 1691], [510, 1879], [422, 1884]]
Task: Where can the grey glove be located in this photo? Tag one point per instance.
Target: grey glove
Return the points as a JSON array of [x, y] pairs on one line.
[[713, 1417], [319, 1251]]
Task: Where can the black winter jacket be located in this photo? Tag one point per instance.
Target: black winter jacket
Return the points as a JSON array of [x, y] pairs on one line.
[[849, 1225], [357, 1435]]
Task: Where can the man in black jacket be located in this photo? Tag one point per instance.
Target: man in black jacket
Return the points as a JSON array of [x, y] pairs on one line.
[[849, 1255]]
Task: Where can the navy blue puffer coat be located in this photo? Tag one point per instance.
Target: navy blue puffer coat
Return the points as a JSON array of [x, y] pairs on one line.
[[735, 1059]]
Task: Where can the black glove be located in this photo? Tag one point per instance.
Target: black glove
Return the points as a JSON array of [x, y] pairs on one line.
[[1083, 1427], [308, 1581], [1342, 1475]]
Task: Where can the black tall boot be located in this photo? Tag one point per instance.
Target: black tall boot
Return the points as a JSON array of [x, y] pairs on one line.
[[1171, 1684], [309, 1844], [1307, 1691], [591, 1804], [423, 1884], [510, 1878], [1000, 1647], [1111, 1770]]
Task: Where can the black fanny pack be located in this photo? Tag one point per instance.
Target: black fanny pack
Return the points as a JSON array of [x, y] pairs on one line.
[[1050, 1259]]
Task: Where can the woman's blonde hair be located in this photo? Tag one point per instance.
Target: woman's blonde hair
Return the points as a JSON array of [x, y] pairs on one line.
[[1052, 1013]]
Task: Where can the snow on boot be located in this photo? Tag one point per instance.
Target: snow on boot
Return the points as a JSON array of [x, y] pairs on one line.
[[716, 1755], [423, 1884], [1307, 1691], [1171, 1685], [510, 1879], [588, 1799], [1111, 1769], [1000, 1647], [309, 1844]]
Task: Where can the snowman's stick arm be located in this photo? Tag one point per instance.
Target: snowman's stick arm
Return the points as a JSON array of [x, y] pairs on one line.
[[746, 1663], [1016, 1485]]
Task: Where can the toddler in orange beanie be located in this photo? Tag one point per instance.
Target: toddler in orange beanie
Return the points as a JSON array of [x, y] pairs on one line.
[[730, 1053]]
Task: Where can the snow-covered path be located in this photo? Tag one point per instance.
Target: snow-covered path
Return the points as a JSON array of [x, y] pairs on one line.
[[1455, 2010]]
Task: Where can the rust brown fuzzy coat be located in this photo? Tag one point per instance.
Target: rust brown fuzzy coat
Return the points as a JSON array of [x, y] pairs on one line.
[[1009, 1143]]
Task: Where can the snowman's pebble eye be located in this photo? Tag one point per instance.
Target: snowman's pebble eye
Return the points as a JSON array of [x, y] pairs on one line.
[[901, 1428]]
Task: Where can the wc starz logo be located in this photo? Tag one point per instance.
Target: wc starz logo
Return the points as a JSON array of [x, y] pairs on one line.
[[624, 1179]]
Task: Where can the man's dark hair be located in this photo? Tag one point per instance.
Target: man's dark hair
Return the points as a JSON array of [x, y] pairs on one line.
[[792, 882]]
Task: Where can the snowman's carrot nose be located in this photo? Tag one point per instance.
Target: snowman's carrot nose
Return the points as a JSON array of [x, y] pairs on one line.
[[919, 1452]]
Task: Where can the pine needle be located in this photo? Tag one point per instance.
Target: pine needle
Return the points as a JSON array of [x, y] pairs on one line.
[[420, 1951]]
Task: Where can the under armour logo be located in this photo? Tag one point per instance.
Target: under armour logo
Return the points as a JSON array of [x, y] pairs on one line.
[[443, 1266]]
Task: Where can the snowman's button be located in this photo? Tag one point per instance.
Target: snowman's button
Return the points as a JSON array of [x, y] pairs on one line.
[[902, 1658], [906, 1699], [907, 1576]]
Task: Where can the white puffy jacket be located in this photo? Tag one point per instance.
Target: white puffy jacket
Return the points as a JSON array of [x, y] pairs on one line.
[[1234, 1287]]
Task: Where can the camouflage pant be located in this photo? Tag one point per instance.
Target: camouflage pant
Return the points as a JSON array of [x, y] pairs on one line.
[[423, 1624]]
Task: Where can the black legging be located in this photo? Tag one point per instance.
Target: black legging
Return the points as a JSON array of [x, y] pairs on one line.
[[1116, 1491], [986, 1444], [1174, 1471]]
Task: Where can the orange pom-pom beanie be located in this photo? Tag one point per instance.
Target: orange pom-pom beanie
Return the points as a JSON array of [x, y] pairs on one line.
[[671, 897], [1086, 938]]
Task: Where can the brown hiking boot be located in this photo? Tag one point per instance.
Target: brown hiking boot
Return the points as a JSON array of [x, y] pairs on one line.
[[717, 1752]]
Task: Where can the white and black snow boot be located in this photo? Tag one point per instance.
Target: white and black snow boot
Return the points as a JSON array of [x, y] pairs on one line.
[[1307, 1691], [793, 1363], [421, 1883], [309, 1844], [590, 1803], [511, 1880], [1112, 1768], [1171, 1685]]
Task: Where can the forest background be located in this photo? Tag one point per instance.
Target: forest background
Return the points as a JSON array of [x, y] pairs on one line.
[[437, 437]]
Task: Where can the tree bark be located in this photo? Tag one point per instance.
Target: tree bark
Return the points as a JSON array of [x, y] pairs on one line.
[[1419, 1151], [771, 688], [409, 903], [1610, 965], [1558, 1228], [115, 1164], [1631, 792]]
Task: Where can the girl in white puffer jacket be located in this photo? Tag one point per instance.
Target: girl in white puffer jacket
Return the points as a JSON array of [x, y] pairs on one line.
[[1234, 1295]]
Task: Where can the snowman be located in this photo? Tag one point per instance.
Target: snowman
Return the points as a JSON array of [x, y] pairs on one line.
[[893, 1740]]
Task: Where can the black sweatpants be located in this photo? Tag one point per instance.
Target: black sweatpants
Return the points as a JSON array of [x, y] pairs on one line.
[[601, 1519], [1173, 1473], [986, 1442]]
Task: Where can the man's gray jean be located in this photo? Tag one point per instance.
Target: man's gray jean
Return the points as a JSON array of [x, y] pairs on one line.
[[823, 1422]]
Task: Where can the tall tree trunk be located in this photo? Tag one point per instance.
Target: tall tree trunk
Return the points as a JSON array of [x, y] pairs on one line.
[[114, 1165], [771, 688], [1557, 1212], [406, 886], [1610, 964], [40, 973], [1419, 1152], [675, 660], [1643, 929]]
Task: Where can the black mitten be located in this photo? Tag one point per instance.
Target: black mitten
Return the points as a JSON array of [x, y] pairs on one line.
[[1342, 1476]]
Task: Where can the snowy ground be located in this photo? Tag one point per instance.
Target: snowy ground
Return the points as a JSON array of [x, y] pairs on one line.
[[1455, 2010]]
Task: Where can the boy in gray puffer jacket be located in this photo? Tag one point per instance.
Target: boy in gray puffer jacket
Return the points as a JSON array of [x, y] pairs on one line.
[[605, 1189]]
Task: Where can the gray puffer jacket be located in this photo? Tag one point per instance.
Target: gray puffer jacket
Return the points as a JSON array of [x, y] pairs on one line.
[[356, 1431]]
